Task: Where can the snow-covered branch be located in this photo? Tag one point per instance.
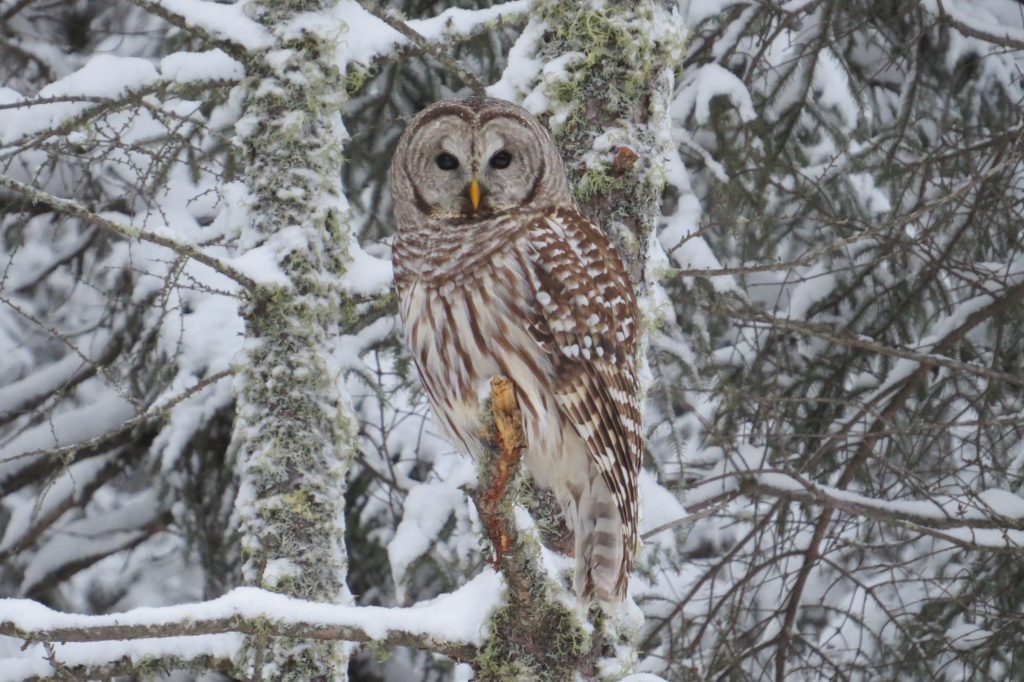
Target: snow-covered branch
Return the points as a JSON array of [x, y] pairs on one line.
[[992, 520], [838, 336], [993, 510], [1011, 37], [167, 239], [451, 624], [220, 25], [431, 48], [107, 660]]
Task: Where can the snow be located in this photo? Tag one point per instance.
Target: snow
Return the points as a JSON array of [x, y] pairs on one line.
[[92, 536], [1006, 24], [371, 37], [103, 76], [190, 67], [520, 75], [427, 509], [88, 421], [458, 21], [833, 88], [1003, 502], [262, 263], [964, 636], [39, 383], [54, 499], [227, 21], [704, 85], [366, 275], [659, 506]]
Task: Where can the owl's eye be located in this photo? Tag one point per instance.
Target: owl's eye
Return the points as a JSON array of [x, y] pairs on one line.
[[501, 159], [446, 161]]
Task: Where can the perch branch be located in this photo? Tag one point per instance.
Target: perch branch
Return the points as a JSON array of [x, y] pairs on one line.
[[509, 441], [533, 621]]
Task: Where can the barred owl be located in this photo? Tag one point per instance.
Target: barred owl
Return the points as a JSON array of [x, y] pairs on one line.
[[499, 274]]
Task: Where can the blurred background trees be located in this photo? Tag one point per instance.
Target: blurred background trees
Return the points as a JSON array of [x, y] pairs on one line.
[[821, 203]]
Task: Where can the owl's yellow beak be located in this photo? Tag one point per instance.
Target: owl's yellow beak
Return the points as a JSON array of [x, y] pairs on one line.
[[474, 193]]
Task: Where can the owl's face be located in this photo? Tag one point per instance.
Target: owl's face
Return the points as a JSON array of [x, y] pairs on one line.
[[475, 158]]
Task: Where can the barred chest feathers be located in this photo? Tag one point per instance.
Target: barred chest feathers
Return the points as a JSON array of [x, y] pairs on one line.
[[463, 307]]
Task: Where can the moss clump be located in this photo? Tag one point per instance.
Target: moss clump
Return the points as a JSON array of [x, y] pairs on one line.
[[597, 181], [544, 646], [301, 503]]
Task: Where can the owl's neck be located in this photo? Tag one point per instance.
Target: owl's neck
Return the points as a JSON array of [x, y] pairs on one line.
[[429, 249]]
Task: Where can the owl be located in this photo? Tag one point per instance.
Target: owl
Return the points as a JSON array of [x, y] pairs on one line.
[[498, 274]]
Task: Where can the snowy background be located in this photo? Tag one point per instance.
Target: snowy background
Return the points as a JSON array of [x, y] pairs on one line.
[[832, 274]]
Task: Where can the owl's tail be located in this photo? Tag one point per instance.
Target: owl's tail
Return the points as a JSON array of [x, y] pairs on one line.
[[603, 561]]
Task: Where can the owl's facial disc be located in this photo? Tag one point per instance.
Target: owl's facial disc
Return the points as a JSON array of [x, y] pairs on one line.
[[468, 167]]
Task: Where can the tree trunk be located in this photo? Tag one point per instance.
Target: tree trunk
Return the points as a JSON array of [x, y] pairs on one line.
[[293, 433]]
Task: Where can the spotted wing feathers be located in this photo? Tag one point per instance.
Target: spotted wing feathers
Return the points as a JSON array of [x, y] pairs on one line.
[[587, 322]]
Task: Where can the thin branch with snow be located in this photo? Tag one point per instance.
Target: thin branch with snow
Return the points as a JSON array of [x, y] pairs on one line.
[[74, 209], [431, 48], [444, 625]]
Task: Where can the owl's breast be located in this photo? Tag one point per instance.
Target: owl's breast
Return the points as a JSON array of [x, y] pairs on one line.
[[468, 327]]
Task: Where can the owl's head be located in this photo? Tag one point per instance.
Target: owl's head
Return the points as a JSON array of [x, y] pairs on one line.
[[472, 159]]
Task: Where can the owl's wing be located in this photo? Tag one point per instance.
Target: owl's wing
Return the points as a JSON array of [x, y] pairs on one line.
[[586, 319]]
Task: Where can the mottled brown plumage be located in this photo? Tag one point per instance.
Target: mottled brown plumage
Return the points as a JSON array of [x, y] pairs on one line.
[[498, 274]]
